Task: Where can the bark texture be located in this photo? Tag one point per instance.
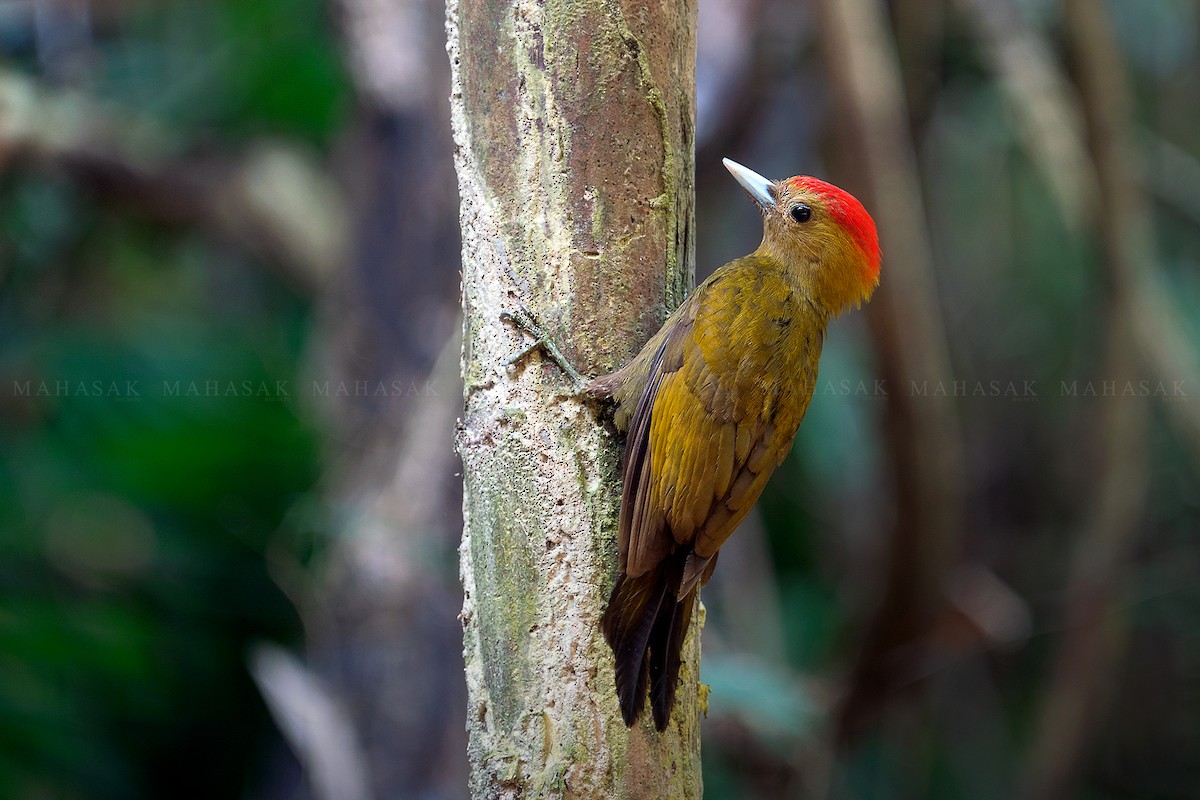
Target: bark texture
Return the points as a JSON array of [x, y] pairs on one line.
[[573, 121]]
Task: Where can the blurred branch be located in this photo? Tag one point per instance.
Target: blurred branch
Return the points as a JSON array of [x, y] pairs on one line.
[[734, 72], [919, 34], [383, 643], [390, 541], [1143, 327], [1047, 109], [1051, 122], [273, 199], [388, 53], [908, 332], [1053, 128], [397, 298], [380, 618], [1172, 174], [1169, 352], [314, 724], [1095, 634], [381, 624]]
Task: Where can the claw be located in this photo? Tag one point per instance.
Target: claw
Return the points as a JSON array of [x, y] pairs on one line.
[[525, 320]]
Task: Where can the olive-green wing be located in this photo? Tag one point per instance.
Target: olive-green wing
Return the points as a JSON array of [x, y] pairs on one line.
[[643, 539], [726, 392]]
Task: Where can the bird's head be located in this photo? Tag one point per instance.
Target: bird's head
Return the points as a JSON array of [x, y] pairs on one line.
[[819, 232]]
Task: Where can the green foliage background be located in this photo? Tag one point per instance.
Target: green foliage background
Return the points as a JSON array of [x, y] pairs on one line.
[[136, 522]]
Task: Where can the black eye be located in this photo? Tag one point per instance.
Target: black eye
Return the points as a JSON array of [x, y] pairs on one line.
[[800, 212]]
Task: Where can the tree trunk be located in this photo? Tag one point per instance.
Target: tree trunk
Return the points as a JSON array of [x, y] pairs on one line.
[[573, 121]]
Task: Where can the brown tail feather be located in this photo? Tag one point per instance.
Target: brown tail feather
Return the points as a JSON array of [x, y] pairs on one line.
[[645, 627], [666, 651], [628, 620]]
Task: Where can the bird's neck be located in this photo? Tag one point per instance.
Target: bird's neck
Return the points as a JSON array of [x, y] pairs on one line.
[[829, 288], [801, 271]]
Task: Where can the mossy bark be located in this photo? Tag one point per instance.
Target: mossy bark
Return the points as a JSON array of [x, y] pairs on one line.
[[573, 121]]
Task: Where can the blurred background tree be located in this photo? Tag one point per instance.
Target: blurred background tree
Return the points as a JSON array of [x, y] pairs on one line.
[[228, 266]]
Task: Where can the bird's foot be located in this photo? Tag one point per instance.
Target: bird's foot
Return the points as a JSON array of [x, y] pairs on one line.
[[525, 320]]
